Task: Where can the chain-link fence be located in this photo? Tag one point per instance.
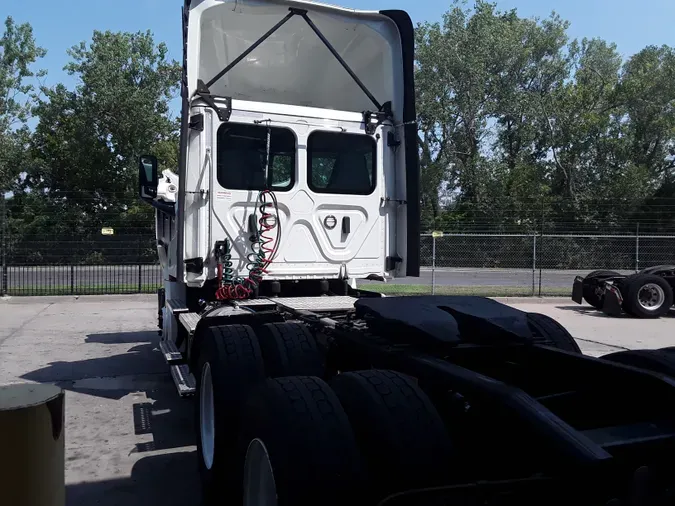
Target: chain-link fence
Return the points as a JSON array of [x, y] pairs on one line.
[[526, 264], [70, 244], [97, 244]]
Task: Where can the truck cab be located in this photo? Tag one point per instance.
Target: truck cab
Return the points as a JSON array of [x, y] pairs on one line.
[[298, 159]]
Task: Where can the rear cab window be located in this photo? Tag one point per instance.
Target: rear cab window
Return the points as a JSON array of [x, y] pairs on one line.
[[342, 163], [241, 157]]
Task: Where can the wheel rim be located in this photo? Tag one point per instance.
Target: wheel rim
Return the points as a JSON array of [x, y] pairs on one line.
[[207, 422], [651, 297], [259, 486]]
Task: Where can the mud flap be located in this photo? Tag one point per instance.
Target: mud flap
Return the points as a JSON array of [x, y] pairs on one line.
[[613, 301], [578, 290]]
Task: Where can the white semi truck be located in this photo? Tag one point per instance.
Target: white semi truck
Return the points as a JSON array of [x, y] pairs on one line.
[[298, 176]]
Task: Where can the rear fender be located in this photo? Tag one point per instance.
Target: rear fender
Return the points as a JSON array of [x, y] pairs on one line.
[[613, 300], [578, 290], [658, 270]]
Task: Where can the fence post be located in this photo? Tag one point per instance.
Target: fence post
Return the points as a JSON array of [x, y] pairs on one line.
[[72, 279], [3, 219], [140, 267], [637, 248], [541, 244], [534, 262], [433, 264]]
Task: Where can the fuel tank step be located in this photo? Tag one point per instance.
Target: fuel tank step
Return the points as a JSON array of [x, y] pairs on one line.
[[170, 352], [183, 379]]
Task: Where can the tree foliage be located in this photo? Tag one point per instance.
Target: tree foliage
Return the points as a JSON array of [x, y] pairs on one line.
[[18, 53], [86, 144], [517, 121], [518, 125]]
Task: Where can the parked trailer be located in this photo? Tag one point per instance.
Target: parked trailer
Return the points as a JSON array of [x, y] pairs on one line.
[[298, 175], [646, 294]]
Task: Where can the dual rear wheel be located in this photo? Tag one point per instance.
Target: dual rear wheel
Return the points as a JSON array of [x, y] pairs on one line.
[[290, 437], [645, 295]]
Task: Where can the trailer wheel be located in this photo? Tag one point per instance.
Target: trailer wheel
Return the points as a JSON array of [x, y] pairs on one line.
[[647, 296], [289, 349], [553, 332], [401, 435], [297, 446], [590, 290], [229, 364], [660, 361]]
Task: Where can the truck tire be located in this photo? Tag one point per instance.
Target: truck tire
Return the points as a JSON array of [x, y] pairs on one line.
[[660, 361], [553, 333], [589, 289], [647, 296], [289, 349], [402, 437], [297, 446], [229, 364]]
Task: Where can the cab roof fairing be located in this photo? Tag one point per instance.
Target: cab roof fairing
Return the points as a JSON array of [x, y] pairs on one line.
[[293, 66]]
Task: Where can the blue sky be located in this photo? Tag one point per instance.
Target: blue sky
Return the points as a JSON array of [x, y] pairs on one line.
[[631, 24]]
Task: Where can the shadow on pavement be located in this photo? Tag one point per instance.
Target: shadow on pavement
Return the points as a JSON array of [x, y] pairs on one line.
[[170, 480], [123, 337], [140, 368], [156, 479], [588, 310], [112, 377], [169, 419]]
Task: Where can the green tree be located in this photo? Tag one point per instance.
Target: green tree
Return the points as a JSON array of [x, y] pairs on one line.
[[88, 140], [517, 122], [480, 75], [18, 53], [647, 90]]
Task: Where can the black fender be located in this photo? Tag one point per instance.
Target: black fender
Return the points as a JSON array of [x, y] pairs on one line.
[[448, 320], [658, 270]]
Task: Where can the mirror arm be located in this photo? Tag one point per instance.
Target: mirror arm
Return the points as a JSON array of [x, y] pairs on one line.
[[165, 207]]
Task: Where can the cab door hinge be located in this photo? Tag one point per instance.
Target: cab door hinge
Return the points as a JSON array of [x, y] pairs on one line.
[[387, 200], [392, 261]]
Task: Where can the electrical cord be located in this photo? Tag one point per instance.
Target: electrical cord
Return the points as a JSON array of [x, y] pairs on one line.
[[264, 247]]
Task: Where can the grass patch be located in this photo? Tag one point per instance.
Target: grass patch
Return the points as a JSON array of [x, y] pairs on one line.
[[483, 291]]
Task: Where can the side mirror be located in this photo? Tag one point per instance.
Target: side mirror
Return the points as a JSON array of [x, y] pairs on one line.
[[148, 178]]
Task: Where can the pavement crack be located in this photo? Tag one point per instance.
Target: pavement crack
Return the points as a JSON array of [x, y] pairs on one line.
[[601, 343], [135, 376], [27, 322]]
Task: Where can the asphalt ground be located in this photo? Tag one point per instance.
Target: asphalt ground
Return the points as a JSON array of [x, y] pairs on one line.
[[129, 438]]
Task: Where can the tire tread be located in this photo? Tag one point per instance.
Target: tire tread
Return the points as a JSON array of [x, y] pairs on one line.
[[400, 432], [289, 349], [309, 439]]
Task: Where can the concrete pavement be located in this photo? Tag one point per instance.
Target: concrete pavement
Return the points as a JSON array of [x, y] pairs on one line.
[[129, 438]]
